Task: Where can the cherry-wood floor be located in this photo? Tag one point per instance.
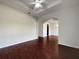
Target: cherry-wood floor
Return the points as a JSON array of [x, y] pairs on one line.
[[36, 49], [66, 52], [39, 49]]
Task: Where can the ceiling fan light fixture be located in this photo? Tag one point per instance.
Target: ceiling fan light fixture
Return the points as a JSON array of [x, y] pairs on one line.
[[38, 5]]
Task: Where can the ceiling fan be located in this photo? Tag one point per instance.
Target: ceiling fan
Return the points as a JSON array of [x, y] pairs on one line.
[[38, 3]]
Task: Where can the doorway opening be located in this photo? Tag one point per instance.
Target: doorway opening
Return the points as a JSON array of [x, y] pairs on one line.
[[53, 27]]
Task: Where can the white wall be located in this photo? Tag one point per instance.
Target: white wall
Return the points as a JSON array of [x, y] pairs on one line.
[[69, 27], [54, 27], [15, 27], [68, 16]]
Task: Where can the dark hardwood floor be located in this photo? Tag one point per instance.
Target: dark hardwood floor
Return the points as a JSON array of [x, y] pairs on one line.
[[36, 49], [66, 52], [39, 49]]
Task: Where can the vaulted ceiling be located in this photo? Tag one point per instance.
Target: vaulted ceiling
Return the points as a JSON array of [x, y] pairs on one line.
[[25, 7]]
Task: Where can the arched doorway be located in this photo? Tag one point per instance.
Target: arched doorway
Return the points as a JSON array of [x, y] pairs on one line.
[[53, 27]]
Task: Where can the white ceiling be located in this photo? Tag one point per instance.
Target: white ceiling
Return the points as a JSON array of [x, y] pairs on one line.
[[70, 3], [51, 5], [25, 6]]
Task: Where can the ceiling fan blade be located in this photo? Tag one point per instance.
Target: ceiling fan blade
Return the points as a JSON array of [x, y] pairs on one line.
[[33, 3], [41, 1], [36, 0]]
